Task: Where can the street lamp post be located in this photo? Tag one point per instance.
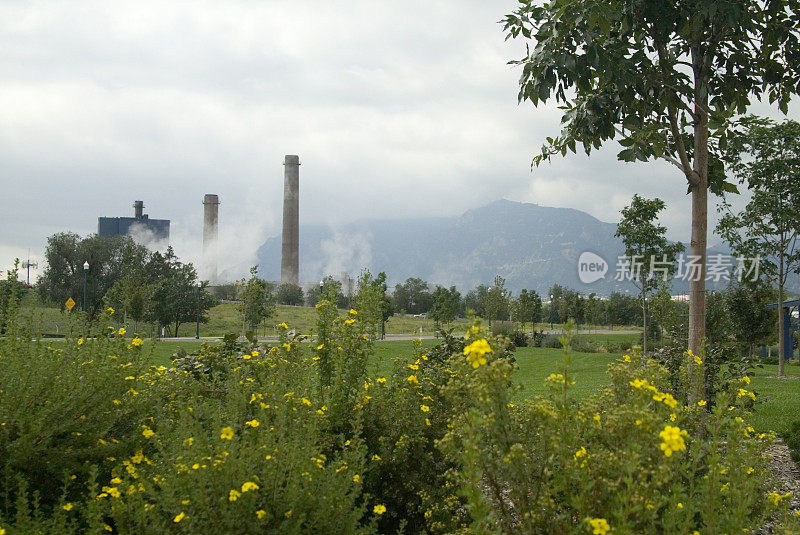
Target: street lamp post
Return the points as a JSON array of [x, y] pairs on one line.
[[85, 275]]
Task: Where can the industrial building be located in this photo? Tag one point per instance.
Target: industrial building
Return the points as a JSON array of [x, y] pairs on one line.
[[140, 226]]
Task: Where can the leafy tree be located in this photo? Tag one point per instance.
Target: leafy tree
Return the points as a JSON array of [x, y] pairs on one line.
[[11, 291], [446, 304], [289, 294], [751, 321], [131, 296], [766, 156], [622, 309], [495, 304], [527, 308], [370, 302], [475, 300], [178, 296], [413, 296], [109, 258], [329, 288], [664, 78], [646, 248], [595, 311], [256, 300]]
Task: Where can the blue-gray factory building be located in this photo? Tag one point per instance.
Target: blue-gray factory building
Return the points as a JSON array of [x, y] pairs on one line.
[[138, 225]]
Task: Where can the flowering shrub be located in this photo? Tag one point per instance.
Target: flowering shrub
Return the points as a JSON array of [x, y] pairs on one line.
[[632, 458], [296, 437]]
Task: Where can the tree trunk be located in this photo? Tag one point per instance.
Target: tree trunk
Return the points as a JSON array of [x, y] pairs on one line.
[[644, 323], [697, 247], [781, 330]]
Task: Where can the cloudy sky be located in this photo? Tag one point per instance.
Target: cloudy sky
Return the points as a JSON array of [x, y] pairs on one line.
[[395, 109]]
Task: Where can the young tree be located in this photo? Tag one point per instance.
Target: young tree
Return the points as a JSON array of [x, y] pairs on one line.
[[132, 297], [495, 305], [289, 294], [257, 301], [413, 296], [527, 308], [371, 302], [11, 291], [766, 156], [178, 296], [751, 321], [646, 249], [475, 299], [663, 77], [446, 304]]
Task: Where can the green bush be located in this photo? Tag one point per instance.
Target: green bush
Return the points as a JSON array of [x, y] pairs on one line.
[[295, 437], [67, 408]]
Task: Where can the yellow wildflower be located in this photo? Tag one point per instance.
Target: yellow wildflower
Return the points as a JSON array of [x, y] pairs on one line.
[[776, 498], [599, 526], [424, 408], [475, 352], [283, 325], [320, 346], [121, 331], [379, 509], [147, 432], [412, 379], [380, 380], [80, 341], [261, 514], [249, 485], [180, 516], [137, 342], [253, 423], [350, 321], [67, 506], [233, 495], [353, 312], [701, 403], [356, 478], [672, 437], [227, 433], [306, 402]]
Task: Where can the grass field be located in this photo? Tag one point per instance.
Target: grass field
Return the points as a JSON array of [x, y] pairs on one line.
[[778, 406], [225, 318]]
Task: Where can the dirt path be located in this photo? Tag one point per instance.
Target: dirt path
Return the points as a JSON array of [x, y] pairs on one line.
[[786, 477]]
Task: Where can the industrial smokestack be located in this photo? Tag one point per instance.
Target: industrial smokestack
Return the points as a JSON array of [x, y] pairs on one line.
[[210, 232], [138, 209], [291, 219]]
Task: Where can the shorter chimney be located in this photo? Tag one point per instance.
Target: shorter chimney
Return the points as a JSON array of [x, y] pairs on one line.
[[138, 209]]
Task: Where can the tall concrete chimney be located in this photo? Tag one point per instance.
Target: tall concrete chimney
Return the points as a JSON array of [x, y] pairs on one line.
[[291, 219], [210, 233], [138, 209]]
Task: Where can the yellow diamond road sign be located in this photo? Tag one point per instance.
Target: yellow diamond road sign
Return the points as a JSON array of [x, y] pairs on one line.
[[70, 303]]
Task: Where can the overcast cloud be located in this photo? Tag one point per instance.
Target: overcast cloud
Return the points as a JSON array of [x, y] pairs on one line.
[[396, 110]]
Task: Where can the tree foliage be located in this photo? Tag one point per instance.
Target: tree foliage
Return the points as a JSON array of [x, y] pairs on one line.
[[661, 77], [651, 257], [413, 296], [289, 294], [256, 300], [527, 307], [766, 157], [446, 304], [109, 258]]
